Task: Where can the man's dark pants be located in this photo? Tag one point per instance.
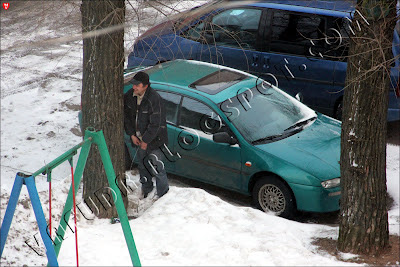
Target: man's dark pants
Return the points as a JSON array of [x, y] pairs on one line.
[[151, 165]]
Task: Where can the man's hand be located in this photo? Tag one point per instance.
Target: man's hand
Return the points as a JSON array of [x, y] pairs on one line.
[[135, 140], [143, 145]]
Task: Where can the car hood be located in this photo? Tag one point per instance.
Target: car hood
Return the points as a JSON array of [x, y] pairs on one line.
[[316, 149]]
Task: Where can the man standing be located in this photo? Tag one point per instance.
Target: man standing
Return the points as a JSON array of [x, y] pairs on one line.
[[145, 123]]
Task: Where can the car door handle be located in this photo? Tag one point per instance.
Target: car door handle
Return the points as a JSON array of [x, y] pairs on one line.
[[255, 61], [267, 62]]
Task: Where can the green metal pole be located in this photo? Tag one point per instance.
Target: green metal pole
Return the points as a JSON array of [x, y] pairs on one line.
[[54, 163], [98, 138], [80, 166]]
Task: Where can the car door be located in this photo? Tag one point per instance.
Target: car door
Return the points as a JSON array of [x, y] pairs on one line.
[[202, 158], [294, 56], [171, 102], [231, 38]]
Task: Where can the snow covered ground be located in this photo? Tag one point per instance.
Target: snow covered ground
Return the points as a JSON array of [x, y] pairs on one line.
[[40, 99]]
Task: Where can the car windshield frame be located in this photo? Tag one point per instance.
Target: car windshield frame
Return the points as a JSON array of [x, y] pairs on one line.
[[251, 108]]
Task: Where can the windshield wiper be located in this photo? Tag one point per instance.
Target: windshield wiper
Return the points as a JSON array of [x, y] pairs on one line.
[[295, 128], [300, 124], [268, 138]]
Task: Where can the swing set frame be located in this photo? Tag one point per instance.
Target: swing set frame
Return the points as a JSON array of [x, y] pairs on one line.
[[53, 248]]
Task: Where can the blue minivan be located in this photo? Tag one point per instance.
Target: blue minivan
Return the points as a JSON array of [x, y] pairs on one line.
[[299, 46]]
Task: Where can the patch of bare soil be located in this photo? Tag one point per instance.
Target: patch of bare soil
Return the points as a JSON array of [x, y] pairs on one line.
[[389, 257]]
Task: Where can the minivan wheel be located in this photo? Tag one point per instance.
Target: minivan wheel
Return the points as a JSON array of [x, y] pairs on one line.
[[271, 195]]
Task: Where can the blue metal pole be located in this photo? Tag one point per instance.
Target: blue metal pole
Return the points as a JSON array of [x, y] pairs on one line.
[[8, 216], [41, 220]]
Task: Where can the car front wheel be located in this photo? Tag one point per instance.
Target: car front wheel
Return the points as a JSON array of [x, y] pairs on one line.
[[271, 195]]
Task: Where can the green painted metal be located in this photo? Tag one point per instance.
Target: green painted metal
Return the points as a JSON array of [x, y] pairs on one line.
[[80, 166], [98, 138], [91, 136], [54, 163]]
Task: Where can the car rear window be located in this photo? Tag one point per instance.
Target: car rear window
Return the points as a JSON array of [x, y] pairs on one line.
[[217, 81]]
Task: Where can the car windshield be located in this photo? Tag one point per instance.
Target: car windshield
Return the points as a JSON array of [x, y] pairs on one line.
[[266, 114]]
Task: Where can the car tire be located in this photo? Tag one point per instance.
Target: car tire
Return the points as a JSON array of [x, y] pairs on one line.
[[270, 194], [339, 110]]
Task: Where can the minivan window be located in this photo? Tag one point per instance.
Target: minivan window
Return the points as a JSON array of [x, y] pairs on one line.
[[337, 39], [294, 33], [194, 33], [265, 114], [236, 27]]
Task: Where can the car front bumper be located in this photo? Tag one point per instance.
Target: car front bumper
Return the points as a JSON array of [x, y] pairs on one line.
[[316, 198]]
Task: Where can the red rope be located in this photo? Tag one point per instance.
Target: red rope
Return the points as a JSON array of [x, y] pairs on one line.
[[50, 207], [76, 232]]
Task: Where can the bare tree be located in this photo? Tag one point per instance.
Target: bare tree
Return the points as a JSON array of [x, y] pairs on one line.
[[102, 99], [364, 219]]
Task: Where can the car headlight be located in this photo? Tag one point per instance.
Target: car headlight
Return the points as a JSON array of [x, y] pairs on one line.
[[331, 183]]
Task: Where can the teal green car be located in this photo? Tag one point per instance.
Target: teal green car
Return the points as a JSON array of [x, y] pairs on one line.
[[236, 131]]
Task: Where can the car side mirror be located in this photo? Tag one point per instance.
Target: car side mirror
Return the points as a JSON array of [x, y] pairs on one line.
[[224, 137]]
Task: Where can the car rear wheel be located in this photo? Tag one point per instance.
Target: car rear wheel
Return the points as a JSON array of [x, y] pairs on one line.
[[271, 195]]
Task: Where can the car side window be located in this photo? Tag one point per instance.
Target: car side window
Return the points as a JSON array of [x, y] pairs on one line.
[[198, 116], [337, 39], [194, 33], [171, 102], [295, 33], [235, 28]]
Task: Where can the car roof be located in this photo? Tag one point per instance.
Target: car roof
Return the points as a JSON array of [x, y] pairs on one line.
[[180, 74], [339, 8], [336, 5]]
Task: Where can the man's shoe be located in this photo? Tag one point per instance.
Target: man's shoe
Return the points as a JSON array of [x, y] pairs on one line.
[[164, 193], [144, 195], [115, 220]]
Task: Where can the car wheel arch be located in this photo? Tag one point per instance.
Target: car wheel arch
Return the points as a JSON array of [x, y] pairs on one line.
[[260, 175]]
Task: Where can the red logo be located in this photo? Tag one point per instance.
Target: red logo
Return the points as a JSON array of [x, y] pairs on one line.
[[6, 5]]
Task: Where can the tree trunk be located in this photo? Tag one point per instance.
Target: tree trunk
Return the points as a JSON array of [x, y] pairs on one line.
[[363, 225], [102, 99]]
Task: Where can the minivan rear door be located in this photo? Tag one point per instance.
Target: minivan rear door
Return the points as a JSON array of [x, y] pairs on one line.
[[294, 57]]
